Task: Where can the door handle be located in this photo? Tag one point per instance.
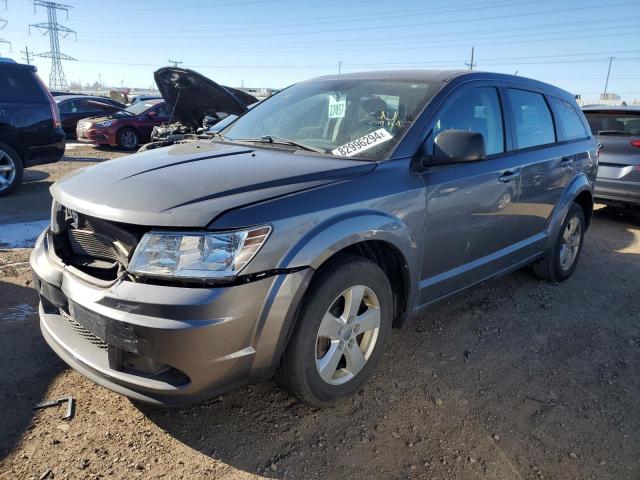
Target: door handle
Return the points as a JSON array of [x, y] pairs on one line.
[[507, 177]]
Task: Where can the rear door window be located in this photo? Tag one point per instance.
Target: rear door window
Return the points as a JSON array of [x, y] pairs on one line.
[[477, 110], [533, 121], [19, 85], [568, 122]]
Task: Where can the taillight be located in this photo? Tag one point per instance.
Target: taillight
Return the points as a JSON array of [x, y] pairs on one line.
[[53, 106], [635, 143]]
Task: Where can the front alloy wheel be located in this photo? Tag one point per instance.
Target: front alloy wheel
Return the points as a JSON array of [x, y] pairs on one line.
[[347, 335], [340, 331]]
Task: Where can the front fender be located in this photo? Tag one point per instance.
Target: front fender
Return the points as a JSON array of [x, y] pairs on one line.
[[579, 184], [339, 232]]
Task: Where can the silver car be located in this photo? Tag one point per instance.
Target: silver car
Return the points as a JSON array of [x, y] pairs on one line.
[[294, 240], [617, 129]]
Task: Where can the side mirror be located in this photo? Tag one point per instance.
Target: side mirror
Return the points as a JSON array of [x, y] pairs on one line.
[[152, 113], [456, 146]]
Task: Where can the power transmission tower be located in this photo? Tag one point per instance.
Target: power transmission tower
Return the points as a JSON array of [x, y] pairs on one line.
[[175, 63], [57, 80], [27, 55], [471, 64], [3, 23]]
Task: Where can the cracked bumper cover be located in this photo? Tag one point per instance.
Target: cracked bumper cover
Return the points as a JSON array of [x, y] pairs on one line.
[[128, 336]]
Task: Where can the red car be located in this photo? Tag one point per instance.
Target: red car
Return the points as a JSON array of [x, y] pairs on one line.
[[127, 128]]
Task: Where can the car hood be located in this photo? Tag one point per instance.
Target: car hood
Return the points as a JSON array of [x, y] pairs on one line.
[[190, 184], [191, 96]]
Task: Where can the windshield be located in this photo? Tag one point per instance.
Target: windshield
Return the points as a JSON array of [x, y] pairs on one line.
[[343, 117], [135, 109], [614, 123]]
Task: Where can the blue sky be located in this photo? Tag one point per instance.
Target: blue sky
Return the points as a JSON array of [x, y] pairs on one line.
[[278, 42]]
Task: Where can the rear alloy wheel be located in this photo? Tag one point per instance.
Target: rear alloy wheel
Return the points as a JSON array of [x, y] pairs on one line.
[[340, 332], [558, 264], [128, 139], [10, 170]]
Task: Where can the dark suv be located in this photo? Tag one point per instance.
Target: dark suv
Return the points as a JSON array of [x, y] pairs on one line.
[[30, 130], [294, 240]]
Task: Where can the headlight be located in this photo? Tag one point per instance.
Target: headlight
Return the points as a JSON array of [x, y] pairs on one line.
[[105, 123], [197, 255]]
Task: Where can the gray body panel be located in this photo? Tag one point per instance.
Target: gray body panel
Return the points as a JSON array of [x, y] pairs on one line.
[[619, 171], [453, 226]]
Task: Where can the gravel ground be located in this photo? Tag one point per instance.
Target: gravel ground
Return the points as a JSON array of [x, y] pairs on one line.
[[513, 379]]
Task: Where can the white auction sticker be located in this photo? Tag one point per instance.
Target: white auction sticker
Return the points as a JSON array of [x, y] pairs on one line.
[[363, 143], [337, 107]]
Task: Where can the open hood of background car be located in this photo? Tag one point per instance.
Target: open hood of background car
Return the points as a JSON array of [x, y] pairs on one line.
[[191, 96]]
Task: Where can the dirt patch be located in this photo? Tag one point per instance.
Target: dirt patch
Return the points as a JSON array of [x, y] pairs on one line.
[[513, 379]]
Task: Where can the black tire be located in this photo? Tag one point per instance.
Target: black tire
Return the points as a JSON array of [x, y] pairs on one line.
[[298, 372], [128, 138], [551, 267], [9, 159]]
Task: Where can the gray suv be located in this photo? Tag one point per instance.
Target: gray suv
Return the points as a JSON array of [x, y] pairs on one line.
[[291, 242]]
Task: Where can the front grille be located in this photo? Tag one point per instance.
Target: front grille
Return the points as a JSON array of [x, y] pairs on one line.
[[97, 247], [84, 333], [90, 244]]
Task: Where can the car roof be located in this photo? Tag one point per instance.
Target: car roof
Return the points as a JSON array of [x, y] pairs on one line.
[[153, 101], [445, 76], [611, 108], [64, 98]]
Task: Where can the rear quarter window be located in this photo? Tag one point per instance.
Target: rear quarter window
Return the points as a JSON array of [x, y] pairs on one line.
[[568, 122], [19, 85]]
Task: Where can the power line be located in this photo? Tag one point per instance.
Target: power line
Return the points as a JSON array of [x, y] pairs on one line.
[[421, 24], [57, 80]]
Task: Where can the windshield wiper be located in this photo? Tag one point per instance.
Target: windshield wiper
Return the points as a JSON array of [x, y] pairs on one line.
[[281, 141]]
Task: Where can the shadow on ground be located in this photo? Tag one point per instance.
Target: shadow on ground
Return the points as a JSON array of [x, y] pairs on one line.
[[516, 378], [28, 366]]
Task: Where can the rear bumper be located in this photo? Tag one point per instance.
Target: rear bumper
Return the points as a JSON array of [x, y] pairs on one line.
[[164, 344], [622, 191]]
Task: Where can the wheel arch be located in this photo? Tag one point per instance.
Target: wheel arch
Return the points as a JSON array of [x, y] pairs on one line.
[[376, 236], [579, 191]]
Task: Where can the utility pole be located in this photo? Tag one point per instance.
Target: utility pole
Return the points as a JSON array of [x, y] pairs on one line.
[[57, 80], [339, 67], [3, 23], [27, 55], [606, 84], [175, 63], [471, 64]]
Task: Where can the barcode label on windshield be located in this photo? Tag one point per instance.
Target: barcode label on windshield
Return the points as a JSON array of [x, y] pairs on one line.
[[363, 143]]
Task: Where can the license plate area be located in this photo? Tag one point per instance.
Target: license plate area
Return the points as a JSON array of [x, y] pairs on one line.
[[109, 331]]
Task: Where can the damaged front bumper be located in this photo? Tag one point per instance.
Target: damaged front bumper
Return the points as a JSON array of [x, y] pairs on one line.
[[164, 344]]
